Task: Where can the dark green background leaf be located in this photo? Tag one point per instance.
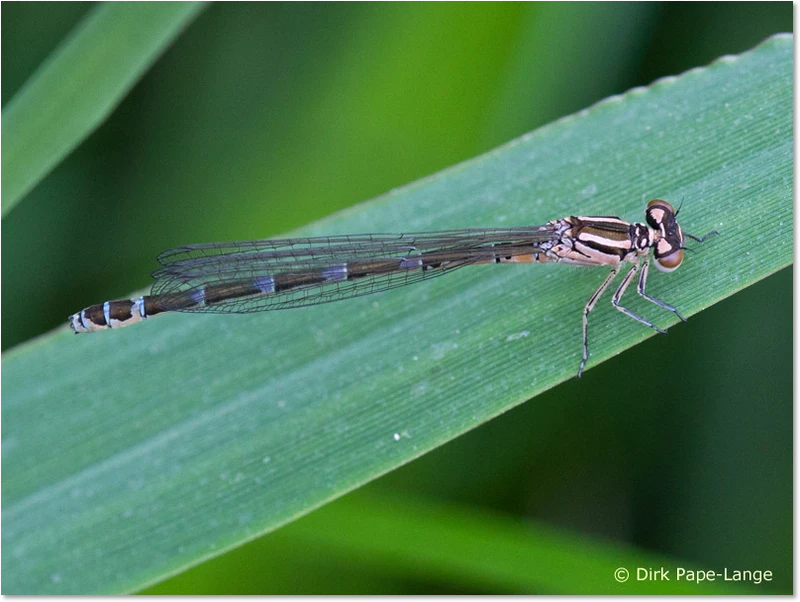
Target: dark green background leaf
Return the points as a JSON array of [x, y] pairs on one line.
[[80, 84]]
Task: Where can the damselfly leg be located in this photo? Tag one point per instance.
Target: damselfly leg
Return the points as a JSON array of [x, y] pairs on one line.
[[587, 310], [640, 288], [621, 291]]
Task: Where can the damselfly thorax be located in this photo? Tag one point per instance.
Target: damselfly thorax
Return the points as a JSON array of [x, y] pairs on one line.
[[261, 275]]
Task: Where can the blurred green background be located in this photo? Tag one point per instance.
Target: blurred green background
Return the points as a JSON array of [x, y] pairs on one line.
[[265, 116]]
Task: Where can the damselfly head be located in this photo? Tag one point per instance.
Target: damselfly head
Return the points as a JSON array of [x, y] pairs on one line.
[[660, 216]]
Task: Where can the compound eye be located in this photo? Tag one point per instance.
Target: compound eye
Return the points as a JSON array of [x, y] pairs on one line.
[[664, 204], [657, 212], [670, 262]]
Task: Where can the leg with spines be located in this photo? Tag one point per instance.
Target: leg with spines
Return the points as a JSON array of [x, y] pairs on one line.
[[587, 310]]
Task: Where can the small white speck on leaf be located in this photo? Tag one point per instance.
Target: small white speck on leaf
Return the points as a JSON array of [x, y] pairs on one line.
[[517, 336]]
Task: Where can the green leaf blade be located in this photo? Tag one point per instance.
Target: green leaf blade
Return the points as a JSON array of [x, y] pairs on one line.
[[131, 455]]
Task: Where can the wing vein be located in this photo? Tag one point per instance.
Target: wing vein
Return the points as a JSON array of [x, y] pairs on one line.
[[260, 275]]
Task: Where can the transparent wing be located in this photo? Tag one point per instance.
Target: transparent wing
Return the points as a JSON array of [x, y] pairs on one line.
[[260, 275]]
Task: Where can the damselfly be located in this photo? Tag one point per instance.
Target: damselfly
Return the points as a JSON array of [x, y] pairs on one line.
[[260, 275]]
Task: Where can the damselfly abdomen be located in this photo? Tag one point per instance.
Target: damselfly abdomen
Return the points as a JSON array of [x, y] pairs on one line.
[[261, 275]]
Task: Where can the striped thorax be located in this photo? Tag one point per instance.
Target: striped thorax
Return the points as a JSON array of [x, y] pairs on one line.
[[605, 240]]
